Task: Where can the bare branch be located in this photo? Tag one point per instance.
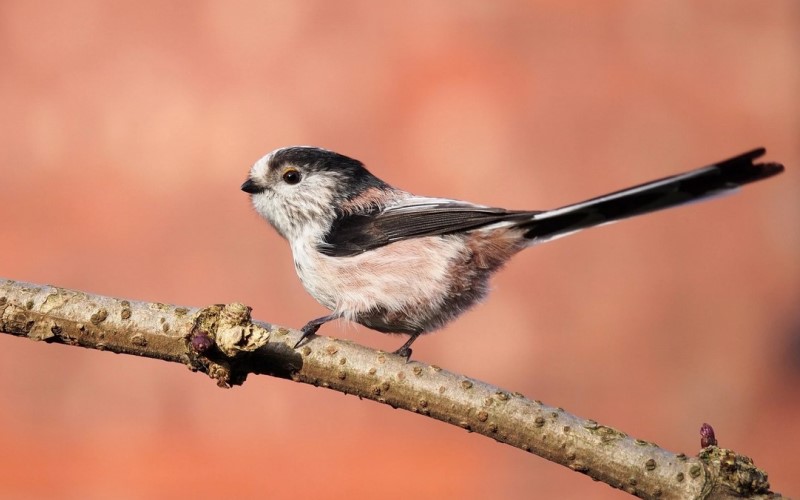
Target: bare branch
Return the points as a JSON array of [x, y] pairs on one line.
[[223, 342]]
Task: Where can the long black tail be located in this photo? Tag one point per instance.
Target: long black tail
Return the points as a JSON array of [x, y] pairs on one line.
[[668, 192]]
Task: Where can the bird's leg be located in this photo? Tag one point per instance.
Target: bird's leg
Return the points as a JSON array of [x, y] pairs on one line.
[[405, 350], [312, 327]]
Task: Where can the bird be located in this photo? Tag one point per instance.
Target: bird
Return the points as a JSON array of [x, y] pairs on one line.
[[401, 263]]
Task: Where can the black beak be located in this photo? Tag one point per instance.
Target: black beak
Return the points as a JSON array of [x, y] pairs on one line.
[[251, 187]]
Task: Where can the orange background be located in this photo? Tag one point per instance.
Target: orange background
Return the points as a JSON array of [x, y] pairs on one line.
[[126, 129]]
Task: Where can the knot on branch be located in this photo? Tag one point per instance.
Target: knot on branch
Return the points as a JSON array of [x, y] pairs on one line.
[[14, 319], [221, 334], [735, 472]]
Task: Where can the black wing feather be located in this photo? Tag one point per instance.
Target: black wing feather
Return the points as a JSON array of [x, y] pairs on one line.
[[352, 234]]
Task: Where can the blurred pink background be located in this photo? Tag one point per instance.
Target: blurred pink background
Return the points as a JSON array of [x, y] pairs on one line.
[[126, 129]]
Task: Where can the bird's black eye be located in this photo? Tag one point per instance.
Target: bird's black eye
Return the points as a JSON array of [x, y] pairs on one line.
[[291, 176]]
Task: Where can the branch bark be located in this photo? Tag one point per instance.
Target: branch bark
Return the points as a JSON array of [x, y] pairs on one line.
[[223, 342]]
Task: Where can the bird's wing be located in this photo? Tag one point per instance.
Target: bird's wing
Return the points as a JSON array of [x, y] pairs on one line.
[[414, 217]]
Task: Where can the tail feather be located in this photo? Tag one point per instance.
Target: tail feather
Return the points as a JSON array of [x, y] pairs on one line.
[[680, 189]]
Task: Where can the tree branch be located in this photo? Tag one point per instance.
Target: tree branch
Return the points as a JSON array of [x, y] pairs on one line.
[[223, 342]]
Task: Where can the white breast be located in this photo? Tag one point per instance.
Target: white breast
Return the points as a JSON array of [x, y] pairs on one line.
[[396, 277]]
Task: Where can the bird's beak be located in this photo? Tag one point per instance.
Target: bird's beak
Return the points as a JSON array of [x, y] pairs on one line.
[[251, 187]]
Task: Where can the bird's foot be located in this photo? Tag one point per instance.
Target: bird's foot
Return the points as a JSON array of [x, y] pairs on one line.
[[308, 330], [405, 349], [404, 352], [312, 327]]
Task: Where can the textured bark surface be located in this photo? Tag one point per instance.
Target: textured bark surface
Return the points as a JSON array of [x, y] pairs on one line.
[[223, 342]]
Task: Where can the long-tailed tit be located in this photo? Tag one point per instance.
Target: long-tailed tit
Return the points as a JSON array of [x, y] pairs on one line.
[[401, 263]]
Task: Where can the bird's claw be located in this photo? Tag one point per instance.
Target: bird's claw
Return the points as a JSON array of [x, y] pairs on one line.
[[305, 332], [404, 352]]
